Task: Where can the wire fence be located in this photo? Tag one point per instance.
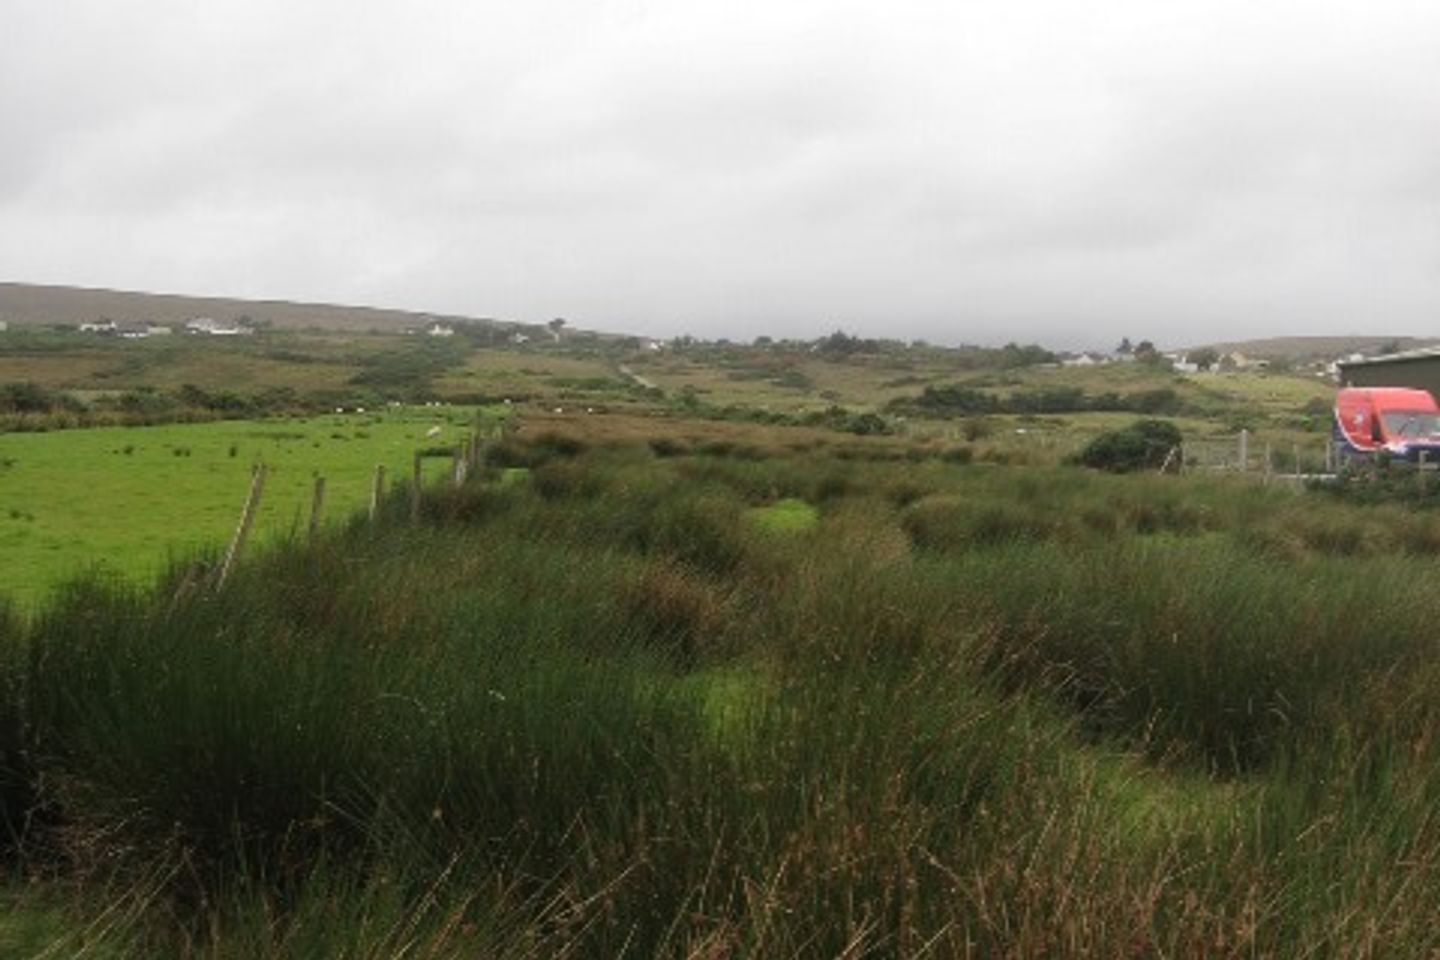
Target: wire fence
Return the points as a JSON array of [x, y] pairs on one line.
[[464, 459], [1242, 453]]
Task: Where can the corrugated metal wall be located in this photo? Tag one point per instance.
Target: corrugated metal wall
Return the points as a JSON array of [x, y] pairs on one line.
[[1421, 372]]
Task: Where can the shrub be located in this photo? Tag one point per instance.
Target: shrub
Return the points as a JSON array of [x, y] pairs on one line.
[[1143, 445]]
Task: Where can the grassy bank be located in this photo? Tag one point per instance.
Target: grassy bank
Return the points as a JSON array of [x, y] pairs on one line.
[[749, 702]]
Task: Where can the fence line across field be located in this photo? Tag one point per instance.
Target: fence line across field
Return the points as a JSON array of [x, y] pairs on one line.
[[465, 458], [1240, 454], [1232, 453]]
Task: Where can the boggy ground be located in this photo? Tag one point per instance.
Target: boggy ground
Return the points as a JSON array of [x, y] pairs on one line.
[[634, 699]]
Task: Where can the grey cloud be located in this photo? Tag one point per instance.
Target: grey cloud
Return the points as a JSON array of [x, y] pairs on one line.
[[1038, 169]]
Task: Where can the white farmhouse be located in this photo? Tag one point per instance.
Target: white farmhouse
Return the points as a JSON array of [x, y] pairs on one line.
[[215, 328]]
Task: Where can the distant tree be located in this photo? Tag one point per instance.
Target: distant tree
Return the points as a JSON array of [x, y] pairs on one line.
[[556, 326], [842, 344], [839, 343], [1387, 348], [1146, 352], [1205, 358], [1012, 355], [1125, 349]]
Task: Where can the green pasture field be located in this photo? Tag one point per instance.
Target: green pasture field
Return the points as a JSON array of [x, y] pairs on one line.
[[125, 500]]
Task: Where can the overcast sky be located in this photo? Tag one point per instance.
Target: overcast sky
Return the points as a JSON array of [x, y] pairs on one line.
[[1067, 171]]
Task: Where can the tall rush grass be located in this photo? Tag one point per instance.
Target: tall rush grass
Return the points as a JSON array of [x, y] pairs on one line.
[[602, 711]]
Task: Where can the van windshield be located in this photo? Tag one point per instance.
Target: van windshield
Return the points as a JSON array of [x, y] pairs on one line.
[[1410, 424]]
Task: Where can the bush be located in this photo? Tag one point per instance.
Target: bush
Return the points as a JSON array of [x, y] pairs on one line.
[[1143, 445]]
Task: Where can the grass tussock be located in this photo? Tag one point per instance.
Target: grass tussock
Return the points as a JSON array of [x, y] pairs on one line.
[[652, 699]]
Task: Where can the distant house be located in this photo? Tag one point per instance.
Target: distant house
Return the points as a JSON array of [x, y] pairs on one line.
[[98, 326], [214, 328], [1180, 362], [158, 330], [1239, 361], [1081, 360], [4, 325], [438, 329], [133, 331], [519, 338]]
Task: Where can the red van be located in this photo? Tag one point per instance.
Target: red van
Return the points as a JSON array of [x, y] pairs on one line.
[[1401, 420]]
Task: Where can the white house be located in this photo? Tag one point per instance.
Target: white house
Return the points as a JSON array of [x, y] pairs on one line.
[[438, 329], [1181, 363], [215, 328], [100, 326], [4, 325], [158, 330], [1241, 362]]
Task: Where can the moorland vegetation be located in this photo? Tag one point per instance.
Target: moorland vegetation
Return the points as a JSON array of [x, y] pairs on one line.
[[777, 698]]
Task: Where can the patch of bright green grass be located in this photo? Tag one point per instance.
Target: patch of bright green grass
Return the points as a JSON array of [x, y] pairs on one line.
[[786, 516]]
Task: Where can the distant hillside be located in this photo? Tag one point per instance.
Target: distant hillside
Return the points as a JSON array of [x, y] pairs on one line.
[[27, 304], [1320, 348]]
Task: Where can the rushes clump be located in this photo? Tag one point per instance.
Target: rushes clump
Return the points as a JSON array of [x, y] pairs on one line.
[[606, 709]]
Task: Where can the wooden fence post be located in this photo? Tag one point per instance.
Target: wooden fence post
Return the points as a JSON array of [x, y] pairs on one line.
[[317, 508], [377, 490], [1244, 450], [242, 531], [457, 467]]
